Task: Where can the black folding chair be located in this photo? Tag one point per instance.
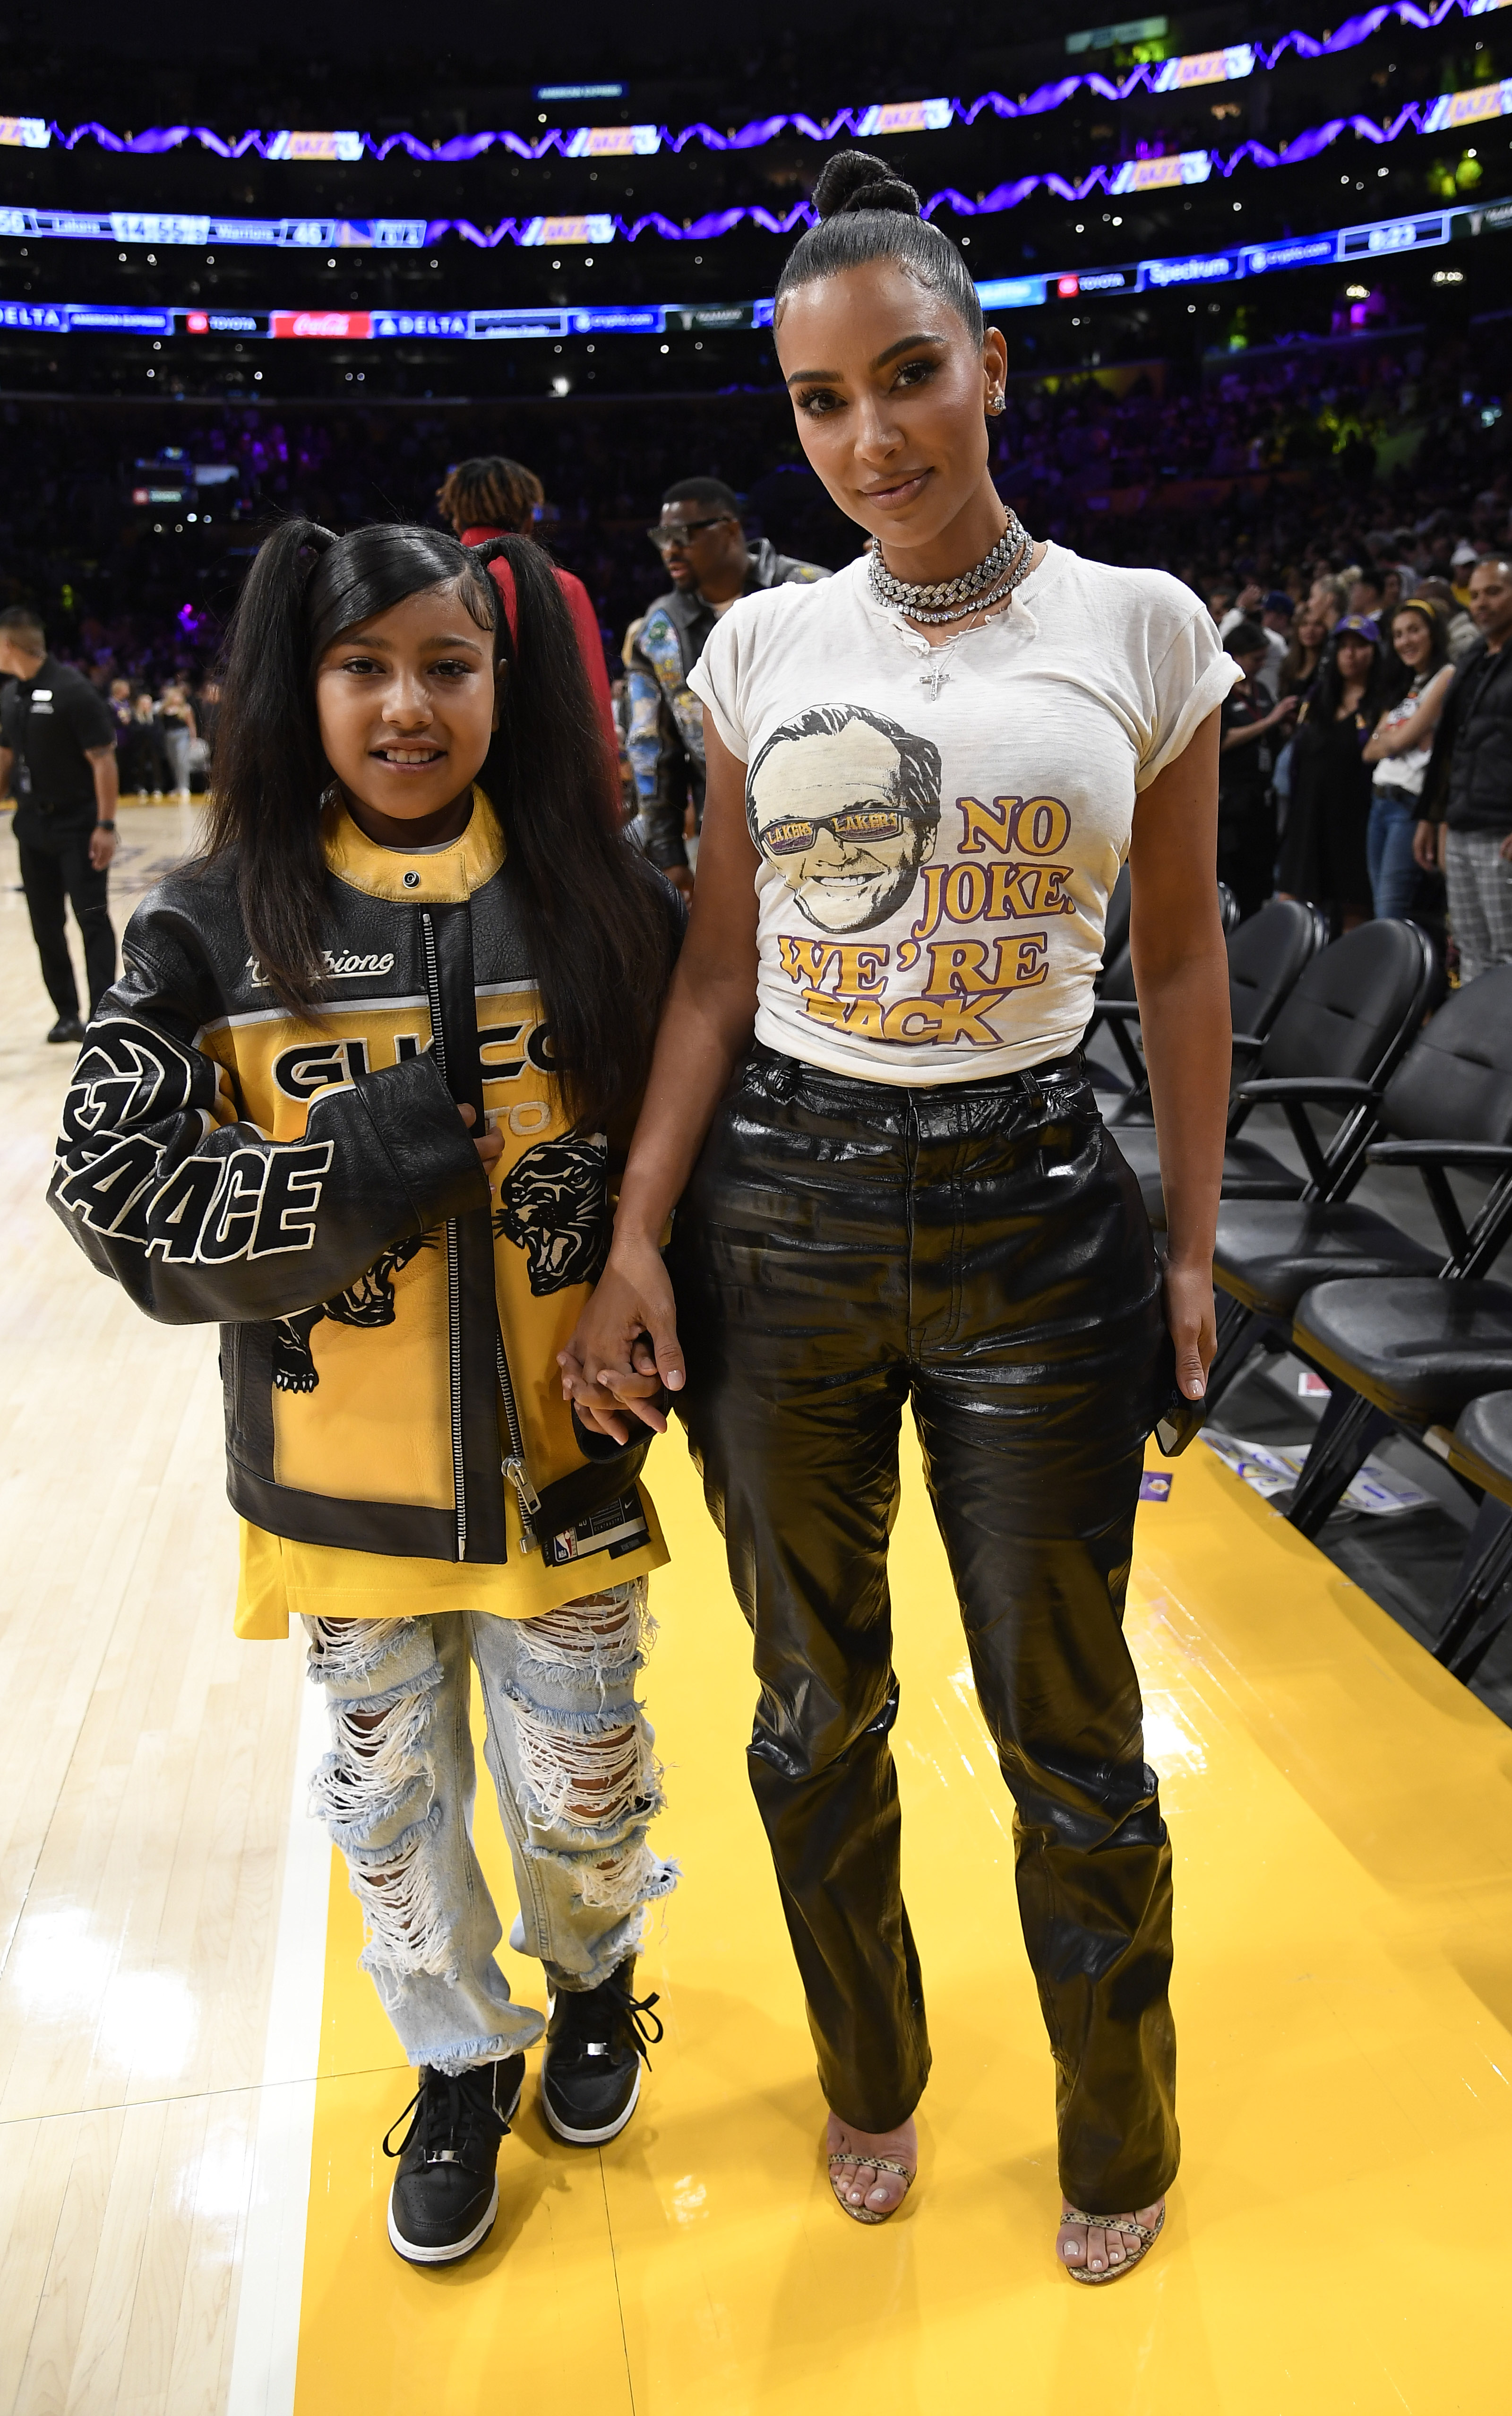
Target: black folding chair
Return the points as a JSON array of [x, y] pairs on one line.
[[1115, 927], [1479, 1450], [1270, 1252], [1267, 957], [1335, 1044], [1413, 1350]]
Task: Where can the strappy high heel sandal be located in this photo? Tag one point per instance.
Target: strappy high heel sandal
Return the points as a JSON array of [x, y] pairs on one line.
[[865, 2213], [1128, 2227]]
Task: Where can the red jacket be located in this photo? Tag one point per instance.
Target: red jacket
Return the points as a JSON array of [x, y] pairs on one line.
[[585, 621]]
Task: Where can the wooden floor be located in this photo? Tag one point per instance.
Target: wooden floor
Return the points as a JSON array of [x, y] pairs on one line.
[[194, 2078], [144, 1792]]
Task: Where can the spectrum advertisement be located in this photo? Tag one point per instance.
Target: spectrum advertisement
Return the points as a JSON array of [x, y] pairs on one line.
[[1378, 239]]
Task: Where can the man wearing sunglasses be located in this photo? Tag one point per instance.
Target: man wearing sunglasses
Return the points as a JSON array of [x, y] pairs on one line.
[[700, 539]]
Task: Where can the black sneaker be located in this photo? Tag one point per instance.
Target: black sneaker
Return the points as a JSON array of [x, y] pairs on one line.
[[446, 2193], [591, 2078], [68, 1028]]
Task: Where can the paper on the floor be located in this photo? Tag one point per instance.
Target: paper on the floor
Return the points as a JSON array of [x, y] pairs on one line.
[[1379, 1492]]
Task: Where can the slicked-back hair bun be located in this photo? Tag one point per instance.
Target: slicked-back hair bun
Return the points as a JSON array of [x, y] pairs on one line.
[[867, 213], [853, 180]]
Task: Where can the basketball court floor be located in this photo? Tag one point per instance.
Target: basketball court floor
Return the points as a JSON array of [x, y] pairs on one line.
[[194, 2078]]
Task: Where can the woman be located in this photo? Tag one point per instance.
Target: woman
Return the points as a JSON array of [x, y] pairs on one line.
[[1322, 857], [1297, 671], [356, 1082], [922, 781], [1399, 749], [143, 760], [1329, 599], [179, 729], [483, 498], [1309, 635], [1246, 804]]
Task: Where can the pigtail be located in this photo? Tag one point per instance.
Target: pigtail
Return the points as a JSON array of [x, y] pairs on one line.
[[270, 771], [603, 924]]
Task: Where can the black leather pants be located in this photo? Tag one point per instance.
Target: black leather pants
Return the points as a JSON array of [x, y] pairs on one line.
[[981, 1251]]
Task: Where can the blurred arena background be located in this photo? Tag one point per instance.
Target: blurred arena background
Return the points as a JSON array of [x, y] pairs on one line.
[[1253, 281]]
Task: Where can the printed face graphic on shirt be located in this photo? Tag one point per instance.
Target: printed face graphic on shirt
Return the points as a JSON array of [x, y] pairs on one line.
[[847, 805]]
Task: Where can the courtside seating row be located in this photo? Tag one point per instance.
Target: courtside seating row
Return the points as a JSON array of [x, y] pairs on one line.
[[1409, 1338]]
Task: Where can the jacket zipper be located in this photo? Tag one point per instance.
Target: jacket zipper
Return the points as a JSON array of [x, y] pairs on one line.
[[515, 1467], [453, 1276]]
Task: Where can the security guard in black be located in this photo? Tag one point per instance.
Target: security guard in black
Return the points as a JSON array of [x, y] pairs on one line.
[[57, 756]]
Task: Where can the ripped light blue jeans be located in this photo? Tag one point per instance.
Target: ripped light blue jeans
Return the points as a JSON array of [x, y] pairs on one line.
[[571, 1756]]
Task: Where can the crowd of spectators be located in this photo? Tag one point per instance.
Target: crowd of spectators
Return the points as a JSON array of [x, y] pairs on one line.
[[162, 741], [1299, 494], [1342, 772]]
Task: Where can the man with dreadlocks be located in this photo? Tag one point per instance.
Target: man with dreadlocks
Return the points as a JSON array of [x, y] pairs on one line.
[[492, 496]]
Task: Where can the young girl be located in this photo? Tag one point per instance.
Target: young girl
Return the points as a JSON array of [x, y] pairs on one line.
[[350, 1099]]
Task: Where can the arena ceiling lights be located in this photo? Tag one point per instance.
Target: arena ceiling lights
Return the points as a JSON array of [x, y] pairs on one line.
[[1376, 240], [874, 122], [1454, 112]]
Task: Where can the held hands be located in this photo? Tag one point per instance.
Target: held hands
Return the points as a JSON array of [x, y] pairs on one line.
[[1193, 1323], [625, 1348], [490, 1145]]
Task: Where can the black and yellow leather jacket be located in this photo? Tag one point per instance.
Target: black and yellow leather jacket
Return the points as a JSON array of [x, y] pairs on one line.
[[390, 1314]]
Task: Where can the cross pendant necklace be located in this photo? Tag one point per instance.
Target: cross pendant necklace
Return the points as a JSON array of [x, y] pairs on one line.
[[939, 668], [938, 671]]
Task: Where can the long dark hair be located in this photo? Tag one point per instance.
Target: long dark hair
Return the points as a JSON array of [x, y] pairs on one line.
[[1400, 674], [1327, 693], [1295, 678], [601, 925]]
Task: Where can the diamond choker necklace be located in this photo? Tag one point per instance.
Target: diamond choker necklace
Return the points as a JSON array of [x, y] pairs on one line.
[[993, 577]]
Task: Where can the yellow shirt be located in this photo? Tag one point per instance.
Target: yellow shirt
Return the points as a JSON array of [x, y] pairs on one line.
[[280, 1580]]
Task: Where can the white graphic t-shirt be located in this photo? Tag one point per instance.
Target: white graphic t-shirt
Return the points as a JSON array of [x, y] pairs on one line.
[[939, 832], [1405, 772]]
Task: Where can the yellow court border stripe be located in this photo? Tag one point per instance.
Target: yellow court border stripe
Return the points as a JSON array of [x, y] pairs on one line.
[[1342, 1820]]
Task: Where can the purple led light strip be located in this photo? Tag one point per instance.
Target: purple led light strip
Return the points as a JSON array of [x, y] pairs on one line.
[[761, 130], [1101, 179]]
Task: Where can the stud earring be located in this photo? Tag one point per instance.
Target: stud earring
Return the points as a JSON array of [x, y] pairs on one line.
[[996, 402]]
